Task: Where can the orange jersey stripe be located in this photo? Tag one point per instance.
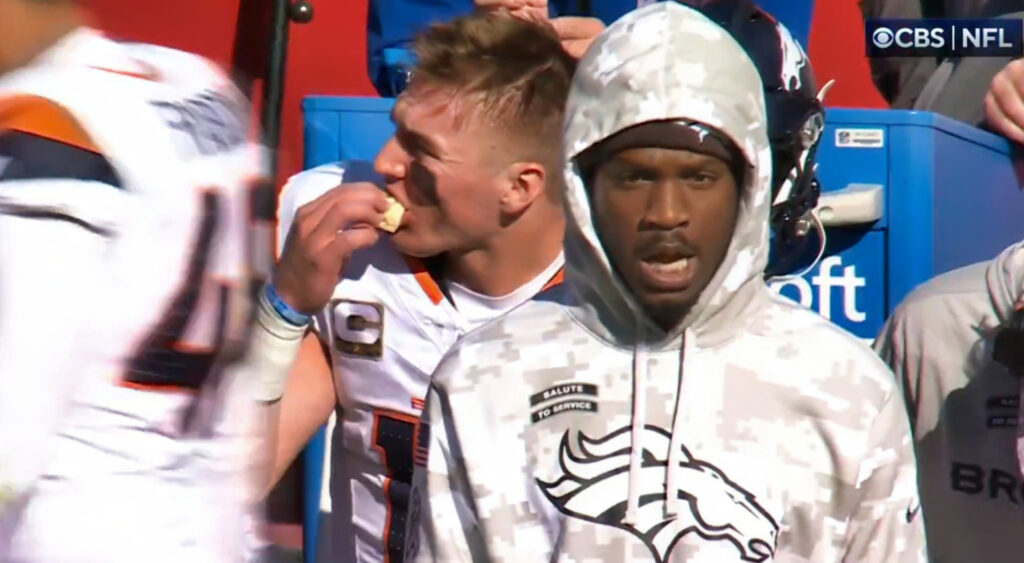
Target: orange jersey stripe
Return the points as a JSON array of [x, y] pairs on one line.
[[556, 279], [387, 520], [150, 76], [187, 348], [158, 388], [44, 118], [423, 278]]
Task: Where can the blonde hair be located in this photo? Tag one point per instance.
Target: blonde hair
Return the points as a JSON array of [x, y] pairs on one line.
[[515, 73]]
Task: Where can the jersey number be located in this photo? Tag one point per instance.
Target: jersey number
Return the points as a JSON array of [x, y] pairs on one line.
[[394, 436], [165, 359]]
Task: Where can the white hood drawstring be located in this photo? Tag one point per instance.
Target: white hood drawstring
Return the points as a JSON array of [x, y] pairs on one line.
[[675, 452], [637, 431]]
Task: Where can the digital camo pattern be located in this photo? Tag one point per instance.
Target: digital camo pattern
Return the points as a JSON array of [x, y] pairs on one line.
[[964, 407], [793, 444]]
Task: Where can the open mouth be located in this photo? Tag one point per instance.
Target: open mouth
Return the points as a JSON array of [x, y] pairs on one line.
[[668, 269]]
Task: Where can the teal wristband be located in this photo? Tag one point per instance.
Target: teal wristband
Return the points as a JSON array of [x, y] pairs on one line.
[[289, 315]]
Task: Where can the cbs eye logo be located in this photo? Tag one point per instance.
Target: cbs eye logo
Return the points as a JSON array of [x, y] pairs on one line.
[[883, 37]]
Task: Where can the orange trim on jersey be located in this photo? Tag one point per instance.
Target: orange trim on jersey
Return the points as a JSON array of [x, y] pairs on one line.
[[43, 118], [418, 404], [150, 76], [187, 348], [426, 281], [415, 421], [556, 279], [156, 388], [387, 520], [155, 336]]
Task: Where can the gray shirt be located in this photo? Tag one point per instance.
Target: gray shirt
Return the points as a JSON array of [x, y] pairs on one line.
[[963, 408]]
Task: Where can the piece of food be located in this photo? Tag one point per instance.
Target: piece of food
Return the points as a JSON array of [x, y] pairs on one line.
[[392, 217]]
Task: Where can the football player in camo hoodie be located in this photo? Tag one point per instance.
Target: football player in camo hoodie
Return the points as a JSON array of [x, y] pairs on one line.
[[666, 406]]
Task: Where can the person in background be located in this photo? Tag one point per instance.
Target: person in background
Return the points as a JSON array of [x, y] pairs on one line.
[[955, 345], [125, 179], [664, 404], [986, 92], [941, 341], [1004, 101], [391, 25]]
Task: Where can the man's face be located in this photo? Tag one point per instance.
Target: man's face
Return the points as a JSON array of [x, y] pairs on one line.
[[666, 218], [442, 165]]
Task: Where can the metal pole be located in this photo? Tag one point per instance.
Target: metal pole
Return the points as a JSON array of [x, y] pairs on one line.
[[283, 12], [273, 84]]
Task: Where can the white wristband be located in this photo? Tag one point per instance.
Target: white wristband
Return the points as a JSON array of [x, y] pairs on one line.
[[275, 344]]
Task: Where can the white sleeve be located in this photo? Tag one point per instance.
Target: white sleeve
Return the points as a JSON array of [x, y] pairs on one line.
[[49, 268], [301, 189]]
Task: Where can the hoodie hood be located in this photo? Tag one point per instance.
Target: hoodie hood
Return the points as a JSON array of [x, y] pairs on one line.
[[1004, 277], [666, 62]]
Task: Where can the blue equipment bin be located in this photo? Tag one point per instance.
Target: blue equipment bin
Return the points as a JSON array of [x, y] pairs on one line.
[[912, 195], [948, 196]]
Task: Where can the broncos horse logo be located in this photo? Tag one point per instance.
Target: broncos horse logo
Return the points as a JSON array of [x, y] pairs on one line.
[[793, 59], [594, 484]]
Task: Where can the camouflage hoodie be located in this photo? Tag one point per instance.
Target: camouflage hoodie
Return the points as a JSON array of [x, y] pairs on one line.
[[574, 429]]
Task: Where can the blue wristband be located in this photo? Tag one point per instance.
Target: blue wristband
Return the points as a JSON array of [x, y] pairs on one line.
[[289, 315]]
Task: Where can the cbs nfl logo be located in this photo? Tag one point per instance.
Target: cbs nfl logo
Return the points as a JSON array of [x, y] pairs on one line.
[[883, 38], [944, 38]]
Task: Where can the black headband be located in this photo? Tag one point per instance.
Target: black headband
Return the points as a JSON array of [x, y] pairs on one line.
[[679, 135]]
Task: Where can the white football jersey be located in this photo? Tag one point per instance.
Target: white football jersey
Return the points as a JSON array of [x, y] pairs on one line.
[[388, 325], [149, 148]]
